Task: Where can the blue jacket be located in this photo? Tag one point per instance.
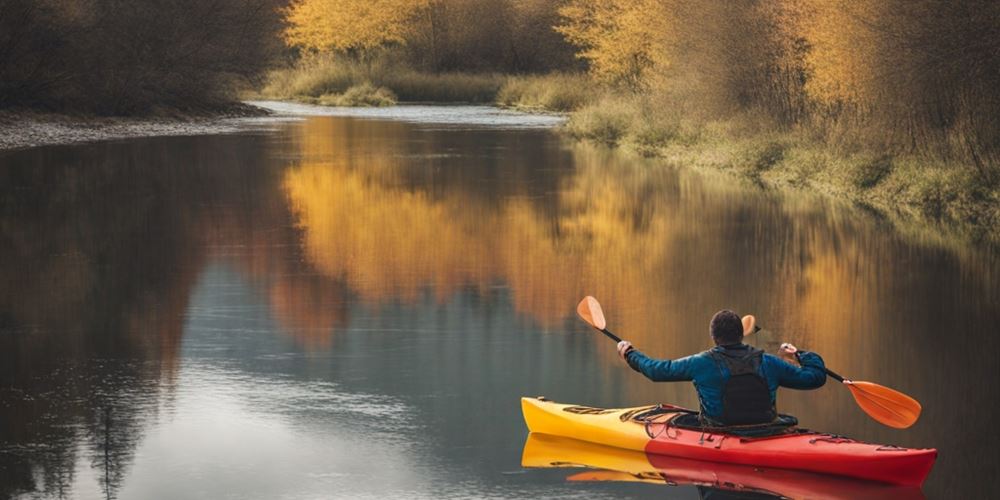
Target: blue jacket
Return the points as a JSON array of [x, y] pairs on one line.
[[710, 377]]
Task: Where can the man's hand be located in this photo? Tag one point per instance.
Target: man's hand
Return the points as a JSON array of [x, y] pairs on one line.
[[624, 347], [788, 352]]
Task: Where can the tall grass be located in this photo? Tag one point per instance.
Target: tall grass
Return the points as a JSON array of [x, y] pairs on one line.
[[562, 92], [363, 95], [415, 86], [313, 77]]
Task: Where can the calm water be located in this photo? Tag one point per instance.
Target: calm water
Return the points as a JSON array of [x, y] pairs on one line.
[[346, 306]]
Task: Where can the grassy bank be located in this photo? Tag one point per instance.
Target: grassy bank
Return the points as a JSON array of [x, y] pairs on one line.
[[340, 82], [908, 185]]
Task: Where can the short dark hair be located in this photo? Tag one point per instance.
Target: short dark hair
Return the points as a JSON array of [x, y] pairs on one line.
[[726, 328]]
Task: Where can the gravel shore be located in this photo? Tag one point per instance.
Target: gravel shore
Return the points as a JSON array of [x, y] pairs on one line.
[[26, 129]]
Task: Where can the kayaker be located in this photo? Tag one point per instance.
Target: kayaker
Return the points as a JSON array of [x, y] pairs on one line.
[[736, 383]]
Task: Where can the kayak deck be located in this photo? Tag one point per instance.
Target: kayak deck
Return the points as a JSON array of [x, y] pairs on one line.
[[812, 452]]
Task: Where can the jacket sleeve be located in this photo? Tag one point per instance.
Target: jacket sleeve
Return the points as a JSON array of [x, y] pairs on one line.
[[811, 375], [661, 370]]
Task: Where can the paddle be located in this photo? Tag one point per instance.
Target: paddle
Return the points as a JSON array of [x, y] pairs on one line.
[[885, 405], [590, 310]]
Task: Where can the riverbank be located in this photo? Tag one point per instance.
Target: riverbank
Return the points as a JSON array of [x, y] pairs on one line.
[[27, 128], [338, 82], [948, 195], [921, 195]]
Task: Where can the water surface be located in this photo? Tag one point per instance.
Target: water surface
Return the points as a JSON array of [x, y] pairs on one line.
[[352, 305]]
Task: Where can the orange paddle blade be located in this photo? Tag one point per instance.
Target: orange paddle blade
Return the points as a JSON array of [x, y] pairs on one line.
[[749, 322], [590, 310], [885, 405]]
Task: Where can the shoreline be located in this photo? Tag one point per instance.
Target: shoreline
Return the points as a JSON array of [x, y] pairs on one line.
[[915, 198], [893, 201], [23, 129]]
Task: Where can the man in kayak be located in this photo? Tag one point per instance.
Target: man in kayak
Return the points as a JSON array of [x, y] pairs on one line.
[[736, 383]]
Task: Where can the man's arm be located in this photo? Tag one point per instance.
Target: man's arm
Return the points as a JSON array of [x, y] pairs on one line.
[[661, 370], [811, 375]]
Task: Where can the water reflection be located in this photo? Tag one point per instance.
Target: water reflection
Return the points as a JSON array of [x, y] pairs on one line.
[[211, 306], [712, 480]]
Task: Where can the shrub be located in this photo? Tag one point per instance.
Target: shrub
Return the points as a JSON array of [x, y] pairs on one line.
[[760, 156], [319, 76], [365, 94], [606, 122], [867, 173], [561, 92]]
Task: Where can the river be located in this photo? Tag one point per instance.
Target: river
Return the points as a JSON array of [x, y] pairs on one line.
[[352, 306]]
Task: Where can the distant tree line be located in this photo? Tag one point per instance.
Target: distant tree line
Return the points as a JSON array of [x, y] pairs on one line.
[[509, 36], [131, 56]]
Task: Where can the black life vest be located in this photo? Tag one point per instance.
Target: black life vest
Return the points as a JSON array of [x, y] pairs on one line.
[[746, 399]]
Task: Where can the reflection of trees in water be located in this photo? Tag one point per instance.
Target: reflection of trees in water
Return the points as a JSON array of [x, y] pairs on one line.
[[102, 247], [114, 431]]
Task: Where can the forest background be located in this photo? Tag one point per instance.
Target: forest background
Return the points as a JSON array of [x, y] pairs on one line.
[[891, 103]]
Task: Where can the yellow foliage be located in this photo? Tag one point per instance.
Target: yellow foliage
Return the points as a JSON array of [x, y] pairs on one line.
[[349, 25], [620, 39], [843, 60]]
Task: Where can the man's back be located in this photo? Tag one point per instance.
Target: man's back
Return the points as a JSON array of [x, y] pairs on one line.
[[710, 374]]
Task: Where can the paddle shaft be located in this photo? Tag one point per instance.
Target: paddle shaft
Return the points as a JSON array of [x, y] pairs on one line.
[[610, 335], [833, 375], [830, 373]]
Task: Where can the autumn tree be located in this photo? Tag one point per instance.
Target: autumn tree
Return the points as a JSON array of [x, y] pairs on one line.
[[355, 27], [621, 40]]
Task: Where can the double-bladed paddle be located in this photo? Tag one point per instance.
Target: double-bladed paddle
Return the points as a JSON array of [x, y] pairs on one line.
[[885, 405]]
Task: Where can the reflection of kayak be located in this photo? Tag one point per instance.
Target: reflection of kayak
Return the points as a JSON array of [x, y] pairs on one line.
[[635, 429], [616, 464]]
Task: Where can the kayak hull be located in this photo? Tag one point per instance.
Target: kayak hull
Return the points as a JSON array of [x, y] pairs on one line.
[[811, 452]]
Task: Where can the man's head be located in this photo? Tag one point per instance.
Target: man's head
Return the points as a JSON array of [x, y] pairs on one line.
[[726, 328]]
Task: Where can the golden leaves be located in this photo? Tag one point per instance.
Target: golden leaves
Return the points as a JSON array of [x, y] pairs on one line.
[[349, 25], [621, 39]]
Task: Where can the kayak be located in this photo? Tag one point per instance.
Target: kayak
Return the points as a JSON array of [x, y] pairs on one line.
[[653, 430], [620, 465]]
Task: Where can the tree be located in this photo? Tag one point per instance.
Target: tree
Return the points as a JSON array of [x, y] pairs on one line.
[[621, 39], [356, 27]]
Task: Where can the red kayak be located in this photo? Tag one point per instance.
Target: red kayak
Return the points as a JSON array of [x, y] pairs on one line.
[[655, 430]]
